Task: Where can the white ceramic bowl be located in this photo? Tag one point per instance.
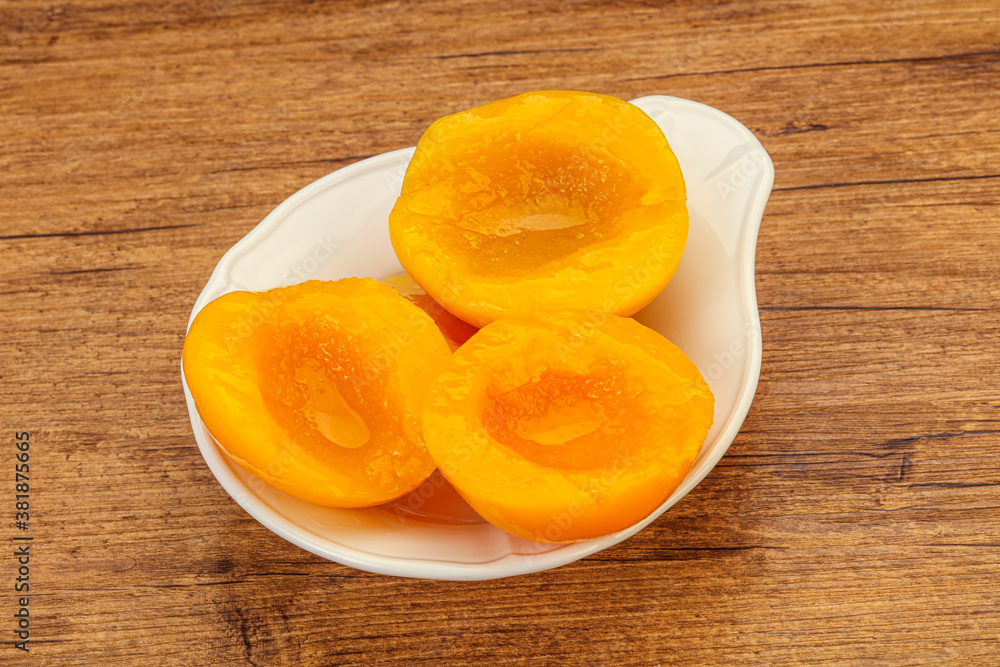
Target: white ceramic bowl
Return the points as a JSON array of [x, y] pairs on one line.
[[337, 227]]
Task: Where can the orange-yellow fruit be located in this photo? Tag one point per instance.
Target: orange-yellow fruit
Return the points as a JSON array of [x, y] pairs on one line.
[[455, 330], [318, 388], [544, 201], [567, 426]]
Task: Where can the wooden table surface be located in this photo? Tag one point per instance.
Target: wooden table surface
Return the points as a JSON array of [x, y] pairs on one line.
[[855, 519]]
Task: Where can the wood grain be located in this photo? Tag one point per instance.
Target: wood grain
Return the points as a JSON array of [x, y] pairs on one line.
[[855, 520]]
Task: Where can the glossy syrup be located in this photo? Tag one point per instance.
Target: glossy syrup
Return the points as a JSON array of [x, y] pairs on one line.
[[434, 501]]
